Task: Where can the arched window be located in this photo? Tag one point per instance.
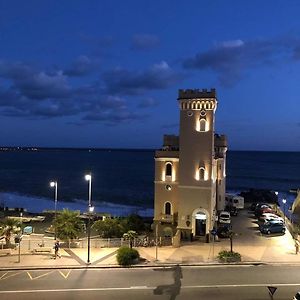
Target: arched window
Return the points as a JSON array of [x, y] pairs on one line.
[[168, 169], [202, 125], [167, 208], [201, 173]]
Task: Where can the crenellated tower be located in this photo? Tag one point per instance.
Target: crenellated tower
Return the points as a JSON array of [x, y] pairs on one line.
[[196, 189]]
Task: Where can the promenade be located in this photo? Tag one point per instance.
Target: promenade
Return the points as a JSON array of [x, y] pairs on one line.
[[253, 247]]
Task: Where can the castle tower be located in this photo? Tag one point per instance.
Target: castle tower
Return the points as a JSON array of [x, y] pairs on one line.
[[197, 170], [190, 177]]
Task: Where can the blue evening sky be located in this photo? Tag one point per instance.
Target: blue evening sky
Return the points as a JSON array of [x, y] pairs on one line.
[[107, 73]]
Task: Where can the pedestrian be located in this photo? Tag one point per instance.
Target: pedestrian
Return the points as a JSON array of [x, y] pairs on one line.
[[297, 246], [56, 249]]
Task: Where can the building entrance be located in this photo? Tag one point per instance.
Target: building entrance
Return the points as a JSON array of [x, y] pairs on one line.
[[200, 228]]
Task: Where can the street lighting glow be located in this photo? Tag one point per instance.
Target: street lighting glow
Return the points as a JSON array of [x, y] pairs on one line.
[[284, 201], [88, 177], [52, 183], [91, 209]]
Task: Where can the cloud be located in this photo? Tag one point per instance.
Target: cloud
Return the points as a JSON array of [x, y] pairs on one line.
[[144, 42], [157, 77], [32, 93], [148, 102], [231, 60], [171, 125], [32, 83], [82, 66]]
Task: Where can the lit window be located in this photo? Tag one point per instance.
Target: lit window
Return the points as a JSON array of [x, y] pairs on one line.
[[167, 208], [168, 187], [201, 173], [168, 169], [202, 125]]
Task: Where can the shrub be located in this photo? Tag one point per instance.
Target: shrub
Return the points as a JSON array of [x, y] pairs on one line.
[[228, 256], [126, 256]]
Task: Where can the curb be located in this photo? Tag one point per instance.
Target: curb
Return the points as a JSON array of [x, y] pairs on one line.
[[158, 265]]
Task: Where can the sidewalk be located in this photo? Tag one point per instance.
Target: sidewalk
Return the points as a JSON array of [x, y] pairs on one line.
[[276, 250], [253, 247]]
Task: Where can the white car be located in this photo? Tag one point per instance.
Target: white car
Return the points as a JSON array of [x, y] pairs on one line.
[[270, 216], [224, 217]]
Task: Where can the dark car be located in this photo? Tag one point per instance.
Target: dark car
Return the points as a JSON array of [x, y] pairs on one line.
[[272, 227], [224, 231], [297, 296], [232, 210]]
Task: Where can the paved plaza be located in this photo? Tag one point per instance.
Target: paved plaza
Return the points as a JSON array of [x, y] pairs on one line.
[[253, 247]]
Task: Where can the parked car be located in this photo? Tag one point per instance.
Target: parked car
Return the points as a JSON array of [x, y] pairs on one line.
[[224, 230], [269, 216], [232, 210], [224, 217], [297, 296], [263, 209], [272, 227]]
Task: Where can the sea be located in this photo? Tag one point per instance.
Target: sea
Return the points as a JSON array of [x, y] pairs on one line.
[[123, 180]]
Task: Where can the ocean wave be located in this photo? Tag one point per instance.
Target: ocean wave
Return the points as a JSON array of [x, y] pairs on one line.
[[39, 204]]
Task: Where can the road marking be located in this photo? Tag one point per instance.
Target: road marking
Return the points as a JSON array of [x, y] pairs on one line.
[[144, 288], [3, 275], [63, 275], [39, 276], [14, 274]]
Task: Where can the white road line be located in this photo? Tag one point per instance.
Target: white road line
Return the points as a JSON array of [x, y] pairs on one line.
[[149, 288]]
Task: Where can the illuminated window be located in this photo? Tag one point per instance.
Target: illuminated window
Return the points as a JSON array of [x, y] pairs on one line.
[[167, 208], [168, 169], [201, 173], [202, 125]]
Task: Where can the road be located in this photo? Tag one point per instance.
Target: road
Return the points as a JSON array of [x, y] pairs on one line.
[[220, 282]]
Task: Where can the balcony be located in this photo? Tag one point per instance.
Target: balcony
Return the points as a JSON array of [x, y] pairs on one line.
[[164, 218]]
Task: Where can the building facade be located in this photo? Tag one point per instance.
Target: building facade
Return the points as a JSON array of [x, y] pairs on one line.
[[190, 171]]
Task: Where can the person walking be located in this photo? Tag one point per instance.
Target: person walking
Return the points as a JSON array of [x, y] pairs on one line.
[[56, 250]]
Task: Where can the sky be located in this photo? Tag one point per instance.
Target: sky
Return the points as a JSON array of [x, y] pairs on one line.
[[106, 73]]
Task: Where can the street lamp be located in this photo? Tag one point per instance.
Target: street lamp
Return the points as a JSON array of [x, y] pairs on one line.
[[53, 184], [88, 178], [284, 202]]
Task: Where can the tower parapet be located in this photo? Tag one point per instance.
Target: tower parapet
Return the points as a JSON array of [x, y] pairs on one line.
[[197, 99], [196, 94]]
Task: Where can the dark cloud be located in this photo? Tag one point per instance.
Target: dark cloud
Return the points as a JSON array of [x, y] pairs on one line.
[[82, 66], [148, 102], [144, 42], [103, 42], [232, 59], [34, 84], [171, 125], [159, 76], [28, 92]]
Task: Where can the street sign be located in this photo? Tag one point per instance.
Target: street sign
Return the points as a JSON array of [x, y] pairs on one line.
[[272, 290]]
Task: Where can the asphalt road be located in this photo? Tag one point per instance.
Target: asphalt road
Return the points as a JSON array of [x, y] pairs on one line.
[[221, 282]]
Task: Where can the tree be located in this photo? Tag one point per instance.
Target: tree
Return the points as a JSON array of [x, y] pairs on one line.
[[68, 225], [109, 228], [134, 222], [8, 227], [130, 235]]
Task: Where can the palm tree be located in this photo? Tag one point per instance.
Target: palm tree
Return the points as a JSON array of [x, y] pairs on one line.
[[8, 227], [130, 235], [68, 225]]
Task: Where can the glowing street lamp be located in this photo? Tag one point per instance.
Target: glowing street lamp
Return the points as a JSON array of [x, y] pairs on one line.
[[284, 202], [53, 184], [88, 178]]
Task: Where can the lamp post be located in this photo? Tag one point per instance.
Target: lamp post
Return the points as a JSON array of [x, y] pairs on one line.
[[88, 178], [284, 202], [54, 184]]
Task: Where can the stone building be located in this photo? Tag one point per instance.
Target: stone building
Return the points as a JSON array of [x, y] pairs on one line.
[[190, 171]]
